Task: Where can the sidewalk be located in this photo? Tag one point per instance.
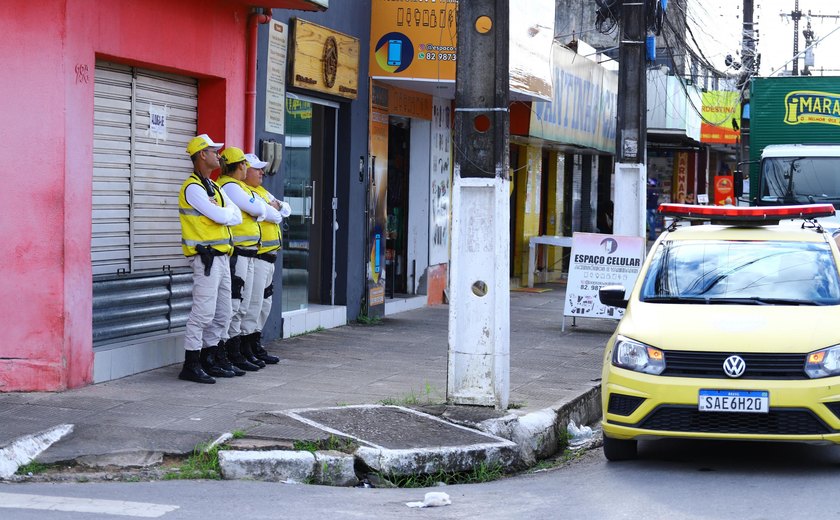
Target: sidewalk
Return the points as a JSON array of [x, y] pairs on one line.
[[402, 361]]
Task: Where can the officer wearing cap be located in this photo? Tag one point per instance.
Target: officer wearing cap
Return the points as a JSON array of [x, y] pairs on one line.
[[271, 242], [206, 214], [246, 240]]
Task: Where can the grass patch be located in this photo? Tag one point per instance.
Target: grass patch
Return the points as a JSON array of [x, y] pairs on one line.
[[238, 434], [429, 395], [318, 329], [517, 406], [362, 319], [332, 443], [33, 468], [483, 472], [202, 464]]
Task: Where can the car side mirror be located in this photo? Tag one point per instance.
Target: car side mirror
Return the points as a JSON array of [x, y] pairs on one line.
[[613, 296]]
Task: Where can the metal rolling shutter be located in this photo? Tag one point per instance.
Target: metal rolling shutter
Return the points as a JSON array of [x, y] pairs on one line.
[[136, 176], [110, 241], [141, 286], [160, 166]]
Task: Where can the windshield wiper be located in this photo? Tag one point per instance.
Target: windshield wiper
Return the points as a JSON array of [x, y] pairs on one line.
[[758, 300], [672, 299]]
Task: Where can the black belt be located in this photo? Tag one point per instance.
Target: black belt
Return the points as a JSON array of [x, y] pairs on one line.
[[240, 251], [268, 257]]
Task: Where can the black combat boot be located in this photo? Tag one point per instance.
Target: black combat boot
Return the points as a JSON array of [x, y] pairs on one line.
[[234, 353], [223, 361], [192, 370], [248, 353], [208, 363], [260, 352]]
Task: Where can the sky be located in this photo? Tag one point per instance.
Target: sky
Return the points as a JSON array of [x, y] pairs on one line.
[[718, 25]]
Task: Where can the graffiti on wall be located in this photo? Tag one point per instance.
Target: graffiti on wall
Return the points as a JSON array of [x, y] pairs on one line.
[[441, 181]]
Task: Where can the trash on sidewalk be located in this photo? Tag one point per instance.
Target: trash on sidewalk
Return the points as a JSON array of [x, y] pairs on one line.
[[580, 435], [432, 499]]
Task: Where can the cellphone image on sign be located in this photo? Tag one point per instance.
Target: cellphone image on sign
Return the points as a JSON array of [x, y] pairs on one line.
[[394, 52]]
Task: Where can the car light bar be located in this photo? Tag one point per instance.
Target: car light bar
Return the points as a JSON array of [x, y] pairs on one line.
[[746, 213]]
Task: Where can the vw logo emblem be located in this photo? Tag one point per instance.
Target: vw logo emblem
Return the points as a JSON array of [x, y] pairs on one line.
[[734, 366]]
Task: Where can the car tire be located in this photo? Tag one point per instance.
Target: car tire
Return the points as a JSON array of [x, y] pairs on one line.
[[620, 449]]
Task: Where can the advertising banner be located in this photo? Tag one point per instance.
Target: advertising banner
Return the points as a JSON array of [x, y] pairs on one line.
[[415, 40], [275, 77], [599, 260], [721, 117], [440, 177], [724, 190], [583, 108]]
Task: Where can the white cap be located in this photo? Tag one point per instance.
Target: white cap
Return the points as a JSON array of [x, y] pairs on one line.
[[255, 161]]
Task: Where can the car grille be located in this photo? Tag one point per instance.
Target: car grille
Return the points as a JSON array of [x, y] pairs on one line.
[[681, 363], [621, 404], [779, 421], [834, 407]]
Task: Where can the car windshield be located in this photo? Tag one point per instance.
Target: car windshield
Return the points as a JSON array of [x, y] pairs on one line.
[[742, 272]]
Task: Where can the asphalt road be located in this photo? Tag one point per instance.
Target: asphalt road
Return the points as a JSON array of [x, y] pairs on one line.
[[672, 480]]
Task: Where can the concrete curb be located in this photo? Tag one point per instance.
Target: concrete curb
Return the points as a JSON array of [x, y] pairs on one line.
[[537, 434], [523, 440], [23, 450]]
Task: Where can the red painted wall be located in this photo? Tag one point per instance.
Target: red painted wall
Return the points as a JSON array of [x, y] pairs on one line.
[[46, 102]]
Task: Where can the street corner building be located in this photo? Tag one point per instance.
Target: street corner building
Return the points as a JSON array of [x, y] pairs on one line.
[[102, 97]]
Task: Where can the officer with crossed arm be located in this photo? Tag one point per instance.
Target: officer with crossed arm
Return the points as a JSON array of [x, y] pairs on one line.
[[206, 213]]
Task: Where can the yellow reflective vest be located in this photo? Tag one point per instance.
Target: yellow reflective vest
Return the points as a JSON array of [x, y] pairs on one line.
[[246, 234], [272, 236], [196, 229]]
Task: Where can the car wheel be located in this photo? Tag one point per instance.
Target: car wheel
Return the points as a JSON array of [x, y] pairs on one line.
[[620, 449]]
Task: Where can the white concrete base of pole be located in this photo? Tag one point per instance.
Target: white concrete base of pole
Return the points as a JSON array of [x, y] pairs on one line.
[[630, 199], [479, 306]]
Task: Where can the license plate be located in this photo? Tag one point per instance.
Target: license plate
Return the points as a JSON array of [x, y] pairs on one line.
[[734, 401]]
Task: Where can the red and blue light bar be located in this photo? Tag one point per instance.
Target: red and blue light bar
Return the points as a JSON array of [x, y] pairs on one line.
[[746, 213]]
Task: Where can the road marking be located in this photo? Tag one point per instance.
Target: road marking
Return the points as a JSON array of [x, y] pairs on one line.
[[84, 505]]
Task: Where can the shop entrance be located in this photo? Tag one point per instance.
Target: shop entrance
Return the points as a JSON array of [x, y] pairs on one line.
[[396, 242], [309, 187]]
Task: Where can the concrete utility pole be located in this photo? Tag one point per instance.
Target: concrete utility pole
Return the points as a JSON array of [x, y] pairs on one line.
[[479, 306], [631, 138]]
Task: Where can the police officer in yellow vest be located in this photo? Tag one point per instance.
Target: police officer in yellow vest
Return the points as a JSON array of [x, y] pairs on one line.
[[246, 240], [272, 238], [205, 214]]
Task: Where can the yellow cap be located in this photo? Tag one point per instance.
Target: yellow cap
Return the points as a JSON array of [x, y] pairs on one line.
[[233, 155], [201, 142]]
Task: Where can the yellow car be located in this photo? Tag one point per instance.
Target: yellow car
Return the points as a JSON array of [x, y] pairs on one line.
[[730, 332]]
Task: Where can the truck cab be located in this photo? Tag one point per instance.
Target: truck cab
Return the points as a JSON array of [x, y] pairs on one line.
[[799, 174]]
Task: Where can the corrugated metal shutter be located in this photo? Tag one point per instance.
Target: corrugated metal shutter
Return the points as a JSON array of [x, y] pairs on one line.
[[136, 174], [111, 242], [135, 228], [160, 166]]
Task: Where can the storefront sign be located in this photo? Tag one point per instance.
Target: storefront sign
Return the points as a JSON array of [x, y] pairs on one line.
[[597, 261], [275, 78], [583, 111], [721, 117], [325, 60], [681, 176], [411, 39]]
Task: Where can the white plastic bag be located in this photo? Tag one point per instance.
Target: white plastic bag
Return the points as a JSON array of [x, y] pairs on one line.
[[432, 499]]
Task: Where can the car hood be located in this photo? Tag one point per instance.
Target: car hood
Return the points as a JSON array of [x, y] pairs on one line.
[[741, 328]]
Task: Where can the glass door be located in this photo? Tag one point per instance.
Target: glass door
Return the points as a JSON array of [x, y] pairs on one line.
[[297, 189]]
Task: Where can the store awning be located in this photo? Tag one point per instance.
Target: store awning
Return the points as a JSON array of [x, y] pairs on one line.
[[300, 5]]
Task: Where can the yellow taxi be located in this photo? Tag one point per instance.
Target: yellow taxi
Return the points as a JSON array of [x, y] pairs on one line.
[[730, 332]]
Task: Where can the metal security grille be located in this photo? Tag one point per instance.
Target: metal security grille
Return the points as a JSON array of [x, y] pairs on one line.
[[137, 172], [141, 284]]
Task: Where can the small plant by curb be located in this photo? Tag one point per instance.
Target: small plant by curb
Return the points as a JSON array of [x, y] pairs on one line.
[[33, 468], [202, 464], [483, 472], [429, 396], [361, 319], [332, 443]]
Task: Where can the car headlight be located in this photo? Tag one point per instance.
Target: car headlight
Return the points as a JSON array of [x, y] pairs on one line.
[[633, 355], [823, 363]]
